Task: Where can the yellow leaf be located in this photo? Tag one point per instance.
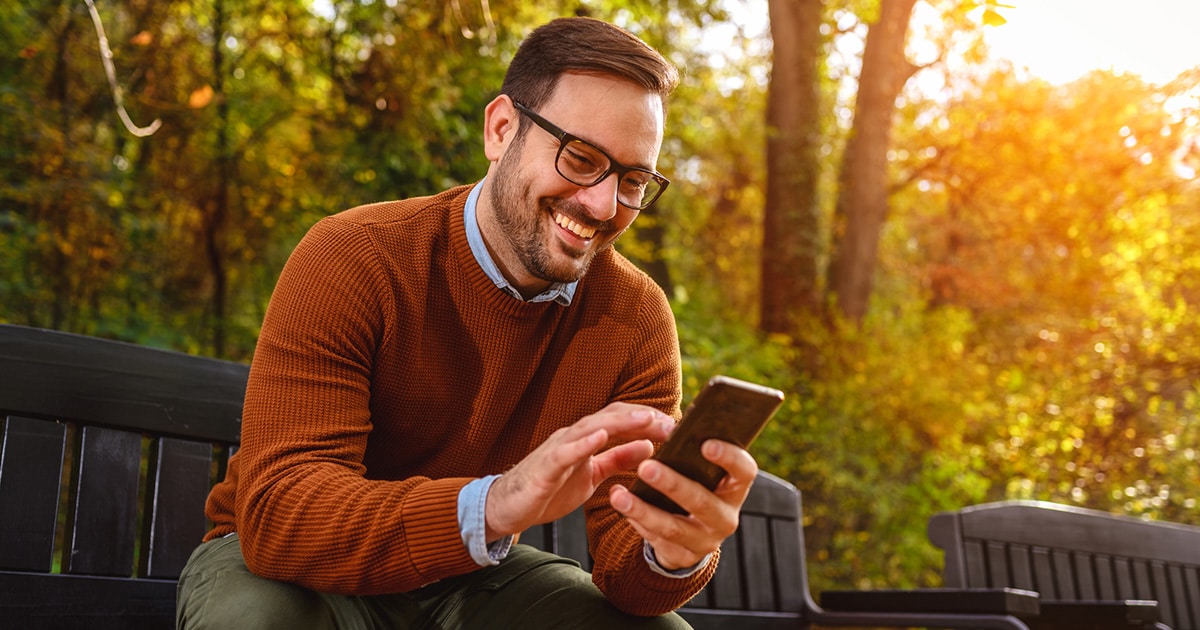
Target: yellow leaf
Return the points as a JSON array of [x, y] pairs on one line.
[[991, 18], [200, 97]]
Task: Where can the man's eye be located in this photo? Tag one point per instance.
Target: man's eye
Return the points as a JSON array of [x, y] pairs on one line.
[[635, 181], [582, 160]]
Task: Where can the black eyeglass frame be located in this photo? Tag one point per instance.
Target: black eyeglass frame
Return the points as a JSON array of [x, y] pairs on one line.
[[565, 139]]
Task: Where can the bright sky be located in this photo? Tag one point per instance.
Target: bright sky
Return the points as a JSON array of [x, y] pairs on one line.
[[1061, 40]]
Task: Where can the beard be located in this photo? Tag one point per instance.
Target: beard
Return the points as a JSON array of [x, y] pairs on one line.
[[524, 222]]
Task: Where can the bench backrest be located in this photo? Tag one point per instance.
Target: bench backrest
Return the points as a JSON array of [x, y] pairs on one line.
[[141, 434], [138, 436], [1073, 554]]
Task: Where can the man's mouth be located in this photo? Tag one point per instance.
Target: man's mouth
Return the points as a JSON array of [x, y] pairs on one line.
[[571, 226]]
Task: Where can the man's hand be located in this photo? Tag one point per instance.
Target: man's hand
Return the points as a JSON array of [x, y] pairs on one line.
[[681, 541], [561, 473]]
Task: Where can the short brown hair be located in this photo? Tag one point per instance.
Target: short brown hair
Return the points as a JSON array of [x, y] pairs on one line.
[[587, 46]]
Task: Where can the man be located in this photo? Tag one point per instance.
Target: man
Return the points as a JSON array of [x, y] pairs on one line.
[[436, 375]]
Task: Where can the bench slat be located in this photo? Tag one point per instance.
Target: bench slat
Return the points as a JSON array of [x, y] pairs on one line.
[[1162, 590], [726, 583], [31, 459], [1176, 608], [976, 564], [1142, 584], [1064, 579], [571, 538], [539, 537], [1043, 573], [997, 563], [54, 601], [178, 487], [102, 521], [76, 377], [1106, 585], [1123, 572], [1192, 603], [1085, 580], [1021, 568], [788, 563], [756, 552]]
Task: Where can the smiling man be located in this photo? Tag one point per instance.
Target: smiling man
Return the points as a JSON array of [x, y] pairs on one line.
[[617, 113], [436, 375]]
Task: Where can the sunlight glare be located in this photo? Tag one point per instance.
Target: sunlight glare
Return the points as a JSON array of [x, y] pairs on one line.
[[1061, 40]]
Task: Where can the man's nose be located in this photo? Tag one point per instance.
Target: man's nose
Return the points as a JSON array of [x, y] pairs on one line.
[[600, 200]]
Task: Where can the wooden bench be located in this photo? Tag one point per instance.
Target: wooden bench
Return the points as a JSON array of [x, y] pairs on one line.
[[1082, 562], [139, 435]]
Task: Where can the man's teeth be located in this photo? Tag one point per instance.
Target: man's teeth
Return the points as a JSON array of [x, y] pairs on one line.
[[575, 228]]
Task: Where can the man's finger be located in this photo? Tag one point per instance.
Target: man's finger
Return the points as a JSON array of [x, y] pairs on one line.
[[625, 422], [621, 458], [740, 469]]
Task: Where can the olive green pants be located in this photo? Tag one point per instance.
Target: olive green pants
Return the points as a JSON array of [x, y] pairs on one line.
[[529, 589]]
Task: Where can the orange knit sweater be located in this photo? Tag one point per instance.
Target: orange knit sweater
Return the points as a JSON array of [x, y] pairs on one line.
[[390, 372]]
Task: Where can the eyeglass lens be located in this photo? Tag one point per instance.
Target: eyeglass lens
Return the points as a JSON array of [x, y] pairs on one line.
[[585, 165]]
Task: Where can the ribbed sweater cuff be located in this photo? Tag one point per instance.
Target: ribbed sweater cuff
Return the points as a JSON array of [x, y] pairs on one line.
[[434, 540]]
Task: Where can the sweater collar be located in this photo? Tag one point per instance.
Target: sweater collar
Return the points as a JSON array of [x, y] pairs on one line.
[[558, 292]]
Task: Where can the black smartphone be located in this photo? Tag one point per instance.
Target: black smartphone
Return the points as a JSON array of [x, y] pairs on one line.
[[727, 409]]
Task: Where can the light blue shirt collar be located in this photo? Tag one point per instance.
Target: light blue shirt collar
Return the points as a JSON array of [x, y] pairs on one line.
[[559, 292]]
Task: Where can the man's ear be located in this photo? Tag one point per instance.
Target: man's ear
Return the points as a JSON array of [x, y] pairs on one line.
[[499, 127]]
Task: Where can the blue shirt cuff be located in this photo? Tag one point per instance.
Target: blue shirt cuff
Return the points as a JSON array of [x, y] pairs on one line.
[[472, 507], [652, 560]]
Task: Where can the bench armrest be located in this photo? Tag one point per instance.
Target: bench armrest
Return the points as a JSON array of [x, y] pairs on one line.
[[1025, 605], [1132, 613], [990, 601]]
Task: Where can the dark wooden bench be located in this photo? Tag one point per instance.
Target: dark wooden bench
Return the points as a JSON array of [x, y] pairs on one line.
[[1085, 564], [139, 435]]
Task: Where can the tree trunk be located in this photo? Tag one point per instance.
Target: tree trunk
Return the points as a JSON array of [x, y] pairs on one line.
[[862, 191], [791, 230], [218, 207]]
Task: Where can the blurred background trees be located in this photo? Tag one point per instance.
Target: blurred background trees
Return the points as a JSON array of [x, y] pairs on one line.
[[974, 284]]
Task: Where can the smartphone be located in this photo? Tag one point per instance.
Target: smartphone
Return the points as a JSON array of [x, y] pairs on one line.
[[727, 409]]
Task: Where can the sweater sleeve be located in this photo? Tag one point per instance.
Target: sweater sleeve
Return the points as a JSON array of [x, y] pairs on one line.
[[621, 571], [305, 511]]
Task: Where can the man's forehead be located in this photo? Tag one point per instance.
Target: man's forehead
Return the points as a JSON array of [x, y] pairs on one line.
[[617, 115]]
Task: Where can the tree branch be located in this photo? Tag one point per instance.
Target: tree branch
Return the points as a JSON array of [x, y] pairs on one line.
[[106, 57]]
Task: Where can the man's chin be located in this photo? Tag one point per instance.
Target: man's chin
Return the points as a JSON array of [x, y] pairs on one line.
[[563, 276], [564, 271]]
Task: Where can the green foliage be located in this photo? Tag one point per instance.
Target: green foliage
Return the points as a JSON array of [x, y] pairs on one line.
[[872, 430], [1059, 218]]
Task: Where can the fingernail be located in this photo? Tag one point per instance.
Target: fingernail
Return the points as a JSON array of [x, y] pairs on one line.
[[621, 502], [649, 471], [713, 448]]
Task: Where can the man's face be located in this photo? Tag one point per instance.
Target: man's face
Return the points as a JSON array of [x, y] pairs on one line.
[[540, 227]]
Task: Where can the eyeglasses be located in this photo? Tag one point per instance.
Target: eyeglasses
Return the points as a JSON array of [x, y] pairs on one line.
[[584, 164]]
